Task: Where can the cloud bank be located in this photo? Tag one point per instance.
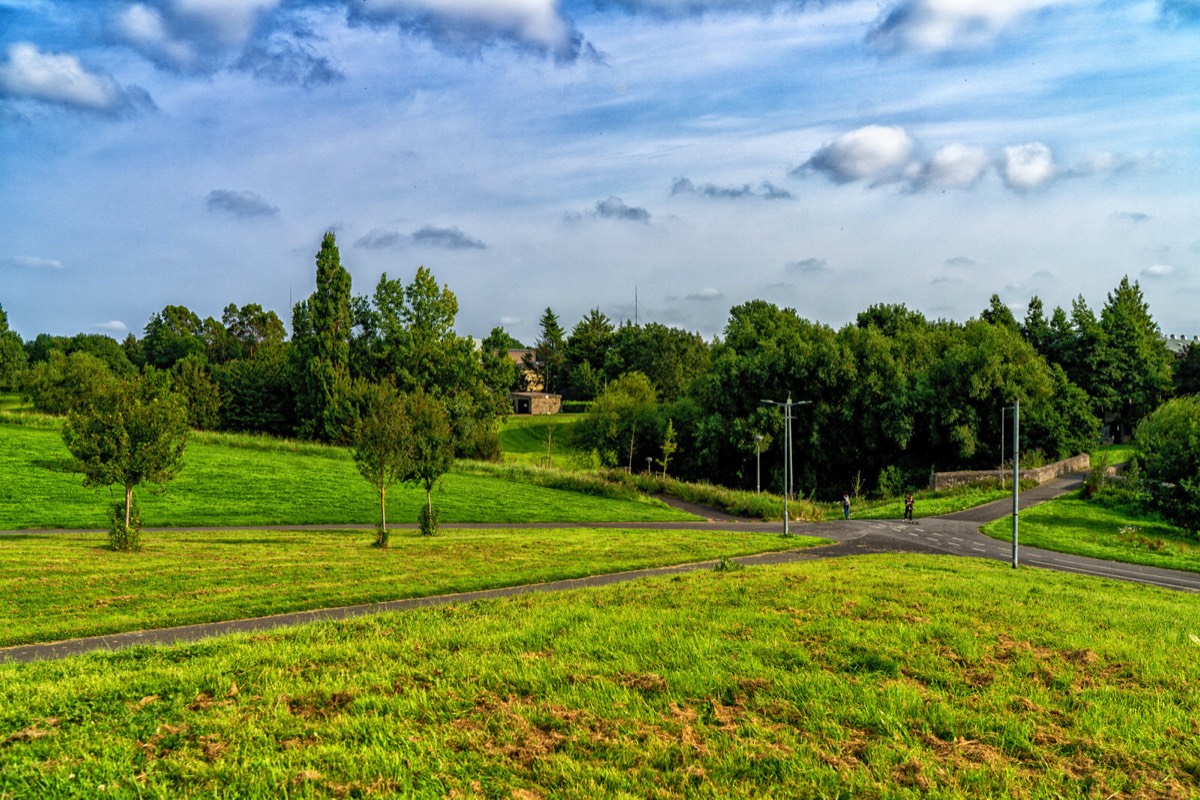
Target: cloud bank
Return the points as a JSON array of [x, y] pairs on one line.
[[468, 26], [937, 25], [881, 155], [61, 79]]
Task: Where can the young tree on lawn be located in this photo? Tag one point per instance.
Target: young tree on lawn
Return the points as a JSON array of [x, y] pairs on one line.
[[383, 445], [432, 448], [134, 431]]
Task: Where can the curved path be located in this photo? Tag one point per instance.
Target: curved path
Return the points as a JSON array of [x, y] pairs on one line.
[[953, 534]]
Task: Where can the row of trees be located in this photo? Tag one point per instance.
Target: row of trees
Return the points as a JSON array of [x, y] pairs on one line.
[[894, 395], [891, 394], [242, 373]]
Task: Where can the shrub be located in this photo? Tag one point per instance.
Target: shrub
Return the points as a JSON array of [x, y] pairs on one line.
[[428, 521], [892, 482], [124, 538]]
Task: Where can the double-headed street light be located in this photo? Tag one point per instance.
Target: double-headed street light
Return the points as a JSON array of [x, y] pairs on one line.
[[788, 470]]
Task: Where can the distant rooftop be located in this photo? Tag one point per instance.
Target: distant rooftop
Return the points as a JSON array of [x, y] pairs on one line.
[[1176, 343]]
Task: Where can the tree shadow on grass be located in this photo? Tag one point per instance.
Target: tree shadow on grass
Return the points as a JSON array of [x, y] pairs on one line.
[[55, 465]]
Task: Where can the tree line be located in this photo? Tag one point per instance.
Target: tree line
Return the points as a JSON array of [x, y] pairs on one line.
[[889, 397]]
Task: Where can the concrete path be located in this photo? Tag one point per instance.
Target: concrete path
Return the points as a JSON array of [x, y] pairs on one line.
[[954, 534]]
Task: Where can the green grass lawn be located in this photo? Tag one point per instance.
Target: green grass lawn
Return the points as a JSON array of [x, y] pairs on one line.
[[1117, 453], [242, 480], [1071, 525], [523, 439], [925, 503], [881, 676], [58, 586]]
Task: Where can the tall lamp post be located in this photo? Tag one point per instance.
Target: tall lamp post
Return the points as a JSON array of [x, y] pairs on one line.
[[1016, 473], [758, 439], [788, 470]]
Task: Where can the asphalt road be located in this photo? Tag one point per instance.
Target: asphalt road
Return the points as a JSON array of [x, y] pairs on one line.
[[954, 534]]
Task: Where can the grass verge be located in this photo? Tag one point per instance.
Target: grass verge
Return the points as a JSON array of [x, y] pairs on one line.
[[58, 586], [1071, 525], [881, 676], [251, 480], [926, 503]]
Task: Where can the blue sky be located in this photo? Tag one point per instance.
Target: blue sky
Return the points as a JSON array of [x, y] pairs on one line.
[[821, 155]]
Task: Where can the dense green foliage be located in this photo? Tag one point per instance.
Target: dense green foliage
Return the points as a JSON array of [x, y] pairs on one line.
[[889, 677], [891, 396], [1168, 442]]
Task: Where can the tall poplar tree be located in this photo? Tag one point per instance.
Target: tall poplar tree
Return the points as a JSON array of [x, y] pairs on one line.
[[1133, 364], [321, 350]]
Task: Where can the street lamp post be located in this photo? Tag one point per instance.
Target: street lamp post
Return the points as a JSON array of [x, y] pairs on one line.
[[648, 460], [1016, 474], [788, 469], [758, 463]]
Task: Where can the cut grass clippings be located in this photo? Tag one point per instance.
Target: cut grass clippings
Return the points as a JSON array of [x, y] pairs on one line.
[[880, 676], [235, 480], [59, 586], [1072, 525]]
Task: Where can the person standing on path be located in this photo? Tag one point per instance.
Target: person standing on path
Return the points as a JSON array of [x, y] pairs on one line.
[[908, 507], [846, 505]]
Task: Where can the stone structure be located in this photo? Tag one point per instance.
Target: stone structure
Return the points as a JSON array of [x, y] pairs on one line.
[[535, 402], [945, 480]]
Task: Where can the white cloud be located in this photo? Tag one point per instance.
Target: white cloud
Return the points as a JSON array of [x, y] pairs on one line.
[[955, 166], [873, 152], [188, 34], [467, 23], [707, 293], [1027, 166], [114, 325], [934, 25], [1157, 271], [55, 78], [32, 262]]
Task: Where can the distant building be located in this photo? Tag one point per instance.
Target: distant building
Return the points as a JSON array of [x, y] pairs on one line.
[[1177, 344], [529, 377], [535, 402]]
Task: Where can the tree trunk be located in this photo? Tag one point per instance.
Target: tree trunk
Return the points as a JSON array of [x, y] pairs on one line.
[[128, 505], [383, 510], [632, 433]]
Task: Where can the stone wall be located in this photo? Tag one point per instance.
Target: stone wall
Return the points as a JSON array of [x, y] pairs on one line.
[[945, 480]]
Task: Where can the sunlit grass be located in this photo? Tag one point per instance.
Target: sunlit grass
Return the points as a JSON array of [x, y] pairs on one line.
[[882, 676], [58, 586], [1071, 525], [246, 480], [541, 440]]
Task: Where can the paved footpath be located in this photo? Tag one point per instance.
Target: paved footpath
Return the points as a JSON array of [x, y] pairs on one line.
[[953, 534]]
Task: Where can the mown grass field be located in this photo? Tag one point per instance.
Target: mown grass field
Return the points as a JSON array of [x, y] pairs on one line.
[[1072, 525], [59, 586], [880, 676], [524, 440], [243, 480], [926, 503]]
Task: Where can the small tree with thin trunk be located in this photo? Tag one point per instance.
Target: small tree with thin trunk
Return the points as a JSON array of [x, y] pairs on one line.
[[131, 432], [383, 445], [432, 450]]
